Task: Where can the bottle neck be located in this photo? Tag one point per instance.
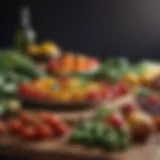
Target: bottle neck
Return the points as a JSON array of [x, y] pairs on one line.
[[25, 18]]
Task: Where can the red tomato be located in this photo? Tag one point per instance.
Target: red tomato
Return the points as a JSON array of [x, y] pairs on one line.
[[59, 127], [115, 121], [15, 126], [44, 131], [25, 90], [122, 89], [53, 65], [26, 118], [45, 117], [152, 99], [28, 133], [2, 128], [39, 95], [93, 96]]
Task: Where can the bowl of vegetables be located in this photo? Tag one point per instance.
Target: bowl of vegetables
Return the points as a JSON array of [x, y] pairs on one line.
[[68, 92]]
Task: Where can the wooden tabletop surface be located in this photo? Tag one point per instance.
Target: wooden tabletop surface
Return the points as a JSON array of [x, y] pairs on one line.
[[60, 149]]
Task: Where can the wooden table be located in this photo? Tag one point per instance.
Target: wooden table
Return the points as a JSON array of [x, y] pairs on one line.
[[59, 149]]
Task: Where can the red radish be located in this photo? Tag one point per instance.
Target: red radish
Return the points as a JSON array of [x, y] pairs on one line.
[[127, 108], [115, 120]]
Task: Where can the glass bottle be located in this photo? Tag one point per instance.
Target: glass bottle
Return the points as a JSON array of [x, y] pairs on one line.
[[25, 34]]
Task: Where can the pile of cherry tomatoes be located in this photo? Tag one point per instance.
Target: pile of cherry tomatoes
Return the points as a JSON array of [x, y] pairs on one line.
[[70, 90], [38, 126]]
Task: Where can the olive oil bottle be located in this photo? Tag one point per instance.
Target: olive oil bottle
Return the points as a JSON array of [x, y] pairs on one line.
[[25, 34]]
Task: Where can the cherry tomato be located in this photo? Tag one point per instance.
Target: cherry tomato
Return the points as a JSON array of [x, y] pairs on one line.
[[15, 126], [115, 121], [45, 117], [59, 127], [2, 128], [26, 118], [122, 89], [152, 99], [29, 133], [25, 90], [53, 65], [44, 131]]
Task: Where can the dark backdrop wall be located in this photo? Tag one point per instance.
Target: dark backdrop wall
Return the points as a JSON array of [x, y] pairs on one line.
[[98, 27]]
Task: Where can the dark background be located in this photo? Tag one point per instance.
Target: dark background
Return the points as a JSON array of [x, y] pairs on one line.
[[98, 27]]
